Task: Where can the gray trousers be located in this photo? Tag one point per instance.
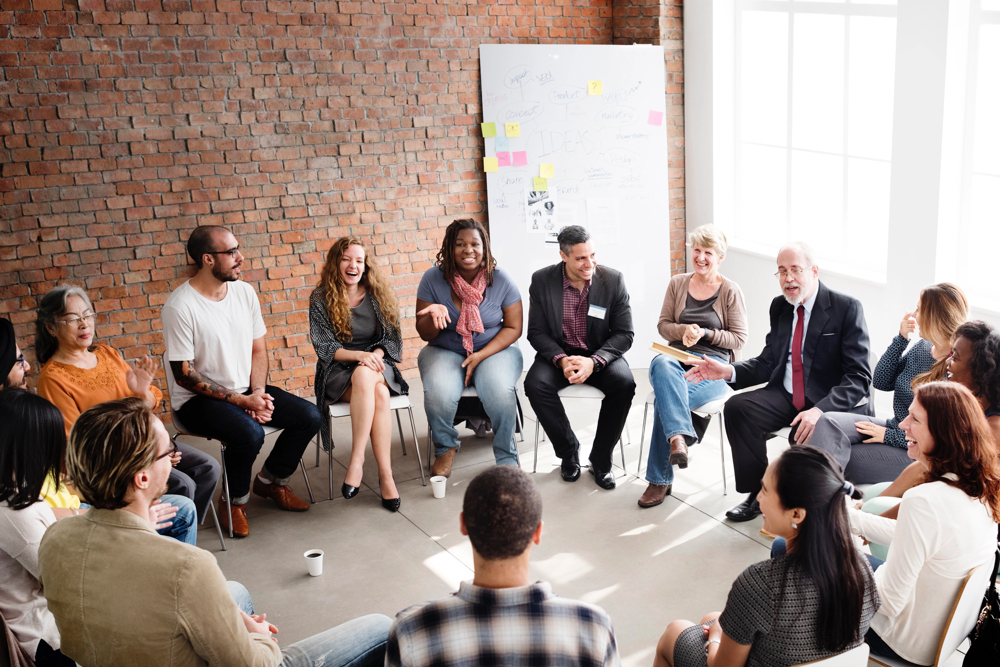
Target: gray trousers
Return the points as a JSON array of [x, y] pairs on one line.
[[862, 463]]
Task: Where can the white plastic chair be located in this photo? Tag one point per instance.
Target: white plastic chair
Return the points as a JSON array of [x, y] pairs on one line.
[[182, 430], [396, 403], [855, 657], [961, 620], [470, 392], [709, 410], [577, 391]]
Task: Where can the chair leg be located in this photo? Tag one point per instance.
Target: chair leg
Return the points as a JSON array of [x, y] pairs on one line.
[[399, 425], [535, 468], [520, 415], [642, 438], [225, 489], [628, 435], [312, 498], [319, 446], [218, 524], [329, 461], [722, 453], [430, 450], [621, 448], [416, 446]]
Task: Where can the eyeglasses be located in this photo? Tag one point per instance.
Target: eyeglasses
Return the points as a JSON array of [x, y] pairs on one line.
[[21, 361], [169, 452], [75, 321], [232, 252], [794, 272]]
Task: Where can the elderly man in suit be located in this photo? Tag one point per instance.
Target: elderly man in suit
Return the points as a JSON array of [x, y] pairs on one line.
[[580, 324], [815, 360]]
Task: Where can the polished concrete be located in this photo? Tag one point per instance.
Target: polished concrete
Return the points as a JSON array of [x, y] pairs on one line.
[[645, 567]]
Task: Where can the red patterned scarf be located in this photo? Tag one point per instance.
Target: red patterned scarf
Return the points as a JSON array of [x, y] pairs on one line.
[[469, 321]]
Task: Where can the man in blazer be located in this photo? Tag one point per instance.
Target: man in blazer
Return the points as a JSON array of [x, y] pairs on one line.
[[580, 324], [815, 360]]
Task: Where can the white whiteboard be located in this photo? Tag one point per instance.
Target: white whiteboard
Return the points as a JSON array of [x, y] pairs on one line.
[[610, 165]]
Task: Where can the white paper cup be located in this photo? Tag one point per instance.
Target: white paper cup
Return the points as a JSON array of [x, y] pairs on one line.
[[438, 485], [314, 561]]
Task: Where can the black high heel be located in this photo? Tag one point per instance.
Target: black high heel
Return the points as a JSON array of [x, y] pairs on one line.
[[391, 504], [348, 491]]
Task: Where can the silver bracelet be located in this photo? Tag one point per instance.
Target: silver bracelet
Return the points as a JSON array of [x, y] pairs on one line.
[[709, 643]]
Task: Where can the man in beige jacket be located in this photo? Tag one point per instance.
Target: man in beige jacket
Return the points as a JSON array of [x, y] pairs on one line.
[[123, 595]]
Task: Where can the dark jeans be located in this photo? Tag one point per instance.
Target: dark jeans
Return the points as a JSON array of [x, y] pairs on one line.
[[877, 646], [299, 420], [750, 417], [195, 477], [778, 548], [545, 379]]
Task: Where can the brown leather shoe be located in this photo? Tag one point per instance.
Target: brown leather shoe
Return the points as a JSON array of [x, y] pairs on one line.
[[238, 517], [442, 464], [654, 495], [678, 451], [282, 495]]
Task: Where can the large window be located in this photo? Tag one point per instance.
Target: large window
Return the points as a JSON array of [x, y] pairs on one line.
[[813, 129]]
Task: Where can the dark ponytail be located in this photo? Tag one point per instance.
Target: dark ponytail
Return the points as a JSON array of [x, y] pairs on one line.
[[809, 478]]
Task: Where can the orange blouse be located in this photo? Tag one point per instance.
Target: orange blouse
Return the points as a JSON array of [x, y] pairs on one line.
[[74, 389]]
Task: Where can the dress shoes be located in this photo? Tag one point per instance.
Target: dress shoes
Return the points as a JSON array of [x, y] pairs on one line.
[[391, 504], [442, 464], [237, 518], [605, 480], [745, 511], [678, 451], [281, 494], [654, 495], [348, 491], [570, 468]]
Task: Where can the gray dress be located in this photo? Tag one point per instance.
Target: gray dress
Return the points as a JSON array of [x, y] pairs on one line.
[[364, 334]]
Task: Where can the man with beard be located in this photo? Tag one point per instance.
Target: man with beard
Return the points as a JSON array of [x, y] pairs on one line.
[[214, 336], [122, 596], [13, 368], [815, 360]]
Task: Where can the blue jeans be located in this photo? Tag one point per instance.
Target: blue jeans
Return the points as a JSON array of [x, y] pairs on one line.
[[778, 548], [495, 379], [357, 643], [184, 525], [674, 398]]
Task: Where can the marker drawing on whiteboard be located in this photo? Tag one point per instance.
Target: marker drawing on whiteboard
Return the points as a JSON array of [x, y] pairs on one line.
[[516, 77], [615, 116]]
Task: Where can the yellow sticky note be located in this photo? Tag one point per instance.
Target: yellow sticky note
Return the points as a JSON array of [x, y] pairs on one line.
[[546, 170], [512, 129], [540, 184], [490, 164], [489, 129], [594, 88]]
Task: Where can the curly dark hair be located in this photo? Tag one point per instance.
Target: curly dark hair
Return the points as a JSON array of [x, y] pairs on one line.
[[446, 255], [984, 366], [502, 509]]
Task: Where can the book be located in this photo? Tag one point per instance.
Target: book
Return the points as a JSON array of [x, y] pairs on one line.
[[679, 355]]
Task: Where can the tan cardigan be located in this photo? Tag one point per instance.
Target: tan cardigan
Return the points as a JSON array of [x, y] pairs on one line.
[[729, 307]]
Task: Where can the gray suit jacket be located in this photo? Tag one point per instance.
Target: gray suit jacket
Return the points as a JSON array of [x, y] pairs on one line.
[[609, 338]]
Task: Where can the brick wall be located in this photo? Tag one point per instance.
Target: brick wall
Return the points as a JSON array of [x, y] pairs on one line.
[[125, 123]]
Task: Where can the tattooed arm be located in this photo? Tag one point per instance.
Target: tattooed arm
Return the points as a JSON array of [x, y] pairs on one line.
[[187, 376]]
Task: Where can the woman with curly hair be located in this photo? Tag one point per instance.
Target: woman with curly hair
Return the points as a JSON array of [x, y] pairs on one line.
[[469, 312], [946, 525], [354, 325]]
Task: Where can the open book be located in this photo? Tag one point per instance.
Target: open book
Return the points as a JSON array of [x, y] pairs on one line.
[[679, 355]]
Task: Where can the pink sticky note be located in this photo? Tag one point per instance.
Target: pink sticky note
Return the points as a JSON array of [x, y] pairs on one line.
[[503, 159], [520, 158], [656, 118]]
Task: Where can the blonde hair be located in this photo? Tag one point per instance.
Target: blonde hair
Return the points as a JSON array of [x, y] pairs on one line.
[[110, 444], [709, 236], [943, 308], [335, 289]]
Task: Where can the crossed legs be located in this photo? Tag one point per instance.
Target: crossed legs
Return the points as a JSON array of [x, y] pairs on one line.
[[369, 396]]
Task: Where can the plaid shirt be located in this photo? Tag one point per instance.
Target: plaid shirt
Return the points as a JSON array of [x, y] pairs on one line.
[[575, 306], [529, 625]]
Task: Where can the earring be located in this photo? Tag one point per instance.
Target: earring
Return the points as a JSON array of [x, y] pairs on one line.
[[795, 526]]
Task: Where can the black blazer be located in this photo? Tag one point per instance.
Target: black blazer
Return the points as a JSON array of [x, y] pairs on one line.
[[834, 353], [609, 338]]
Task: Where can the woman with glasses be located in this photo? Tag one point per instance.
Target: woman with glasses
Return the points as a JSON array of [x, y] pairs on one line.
[[78, 373]]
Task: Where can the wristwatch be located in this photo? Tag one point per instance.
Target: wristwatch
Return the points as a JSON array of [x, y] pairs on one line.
[[598, 364]]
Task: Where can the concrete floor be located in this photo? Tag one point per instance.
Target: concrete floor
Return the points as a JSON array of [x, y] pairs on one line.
[[645, 567]]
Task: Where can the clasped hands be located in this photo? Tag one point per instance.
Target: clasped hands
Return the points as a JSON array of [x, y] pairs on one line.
[[259, 624], [577, 369], [259, 405]]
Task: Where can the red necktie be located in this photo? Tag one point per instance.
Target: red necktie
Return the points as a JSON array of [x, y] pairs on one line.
[[798, 379]]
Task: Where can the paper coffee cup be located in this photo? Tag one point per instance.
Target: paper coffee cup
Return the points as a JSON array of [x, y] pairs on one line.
[[438, 485], [314, 561]]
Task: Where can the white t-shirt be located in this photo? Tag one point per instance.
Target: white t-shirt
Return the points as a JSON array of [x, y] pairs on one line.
[[216, 335]]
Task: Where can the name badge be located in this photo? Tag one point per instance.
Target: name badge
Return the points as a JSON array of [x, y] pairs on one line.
[[597, 311]]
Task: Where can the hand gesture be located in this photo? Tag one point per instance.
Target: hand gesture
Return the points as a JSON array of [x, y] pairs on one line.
[[874, 432], [258, 624], [707, 368], [139, 376], [577, 369], [175, 458], [908, 325], [160, 515], [470, 364], [807, 423], [692, 335], [439, 315], [372, 360]]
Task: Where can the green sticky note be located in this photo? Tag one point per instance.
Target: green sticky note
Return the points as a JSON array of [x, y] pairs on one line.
[[540, 184], [593, 87], [512, 129], [489, 129], [547, 170], [490, 164]]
